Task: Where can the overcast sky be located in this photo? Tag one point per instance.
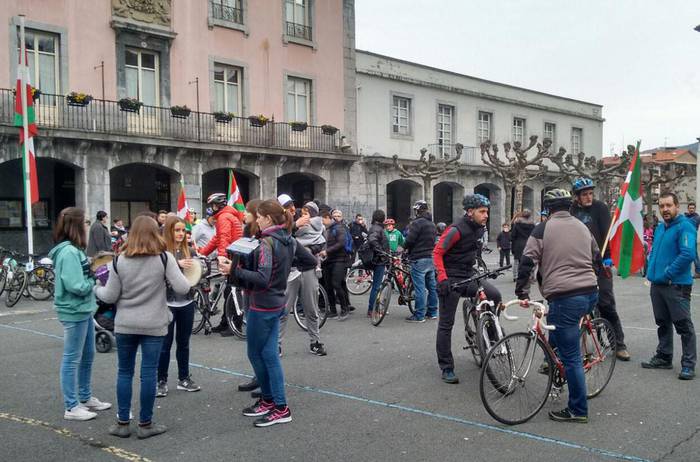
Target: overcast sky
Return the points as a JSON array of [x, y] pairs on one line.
[[640, 59]]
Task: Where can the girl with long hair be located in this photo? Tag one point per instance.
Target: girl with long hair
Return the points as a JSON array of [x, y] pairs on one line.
[[74, 302], [137, 285], [182, 308]]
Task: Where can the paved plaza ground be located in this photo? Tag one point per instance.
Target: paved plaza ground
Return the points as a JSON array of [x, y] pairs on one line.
[[377, 396]]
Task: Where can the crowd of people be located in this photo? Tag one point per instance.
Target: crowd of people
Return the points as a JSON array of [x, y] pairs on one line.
[[302, 245]]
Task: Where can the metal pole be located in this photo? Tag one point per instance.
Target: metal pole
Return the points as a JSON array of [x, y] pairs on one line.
[[22, 95], [196, 86], [376, 184], [104, 111]]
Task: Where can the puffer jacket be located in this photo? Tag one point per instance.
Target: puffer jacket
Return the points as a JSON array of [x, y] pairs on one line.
[[420, 240], [228, 229], [673, 252]]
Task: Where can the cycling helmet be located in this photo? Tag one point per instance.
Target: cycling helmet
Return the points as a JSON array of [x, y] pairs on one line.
[[420, 205], [581, 184], [389, 221], [475, 201], [216, 199], [557, 198], [441, 227]]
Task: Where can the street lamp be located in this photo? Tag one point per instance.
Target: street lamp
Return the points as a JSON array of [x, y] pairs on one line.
[[697, 159]]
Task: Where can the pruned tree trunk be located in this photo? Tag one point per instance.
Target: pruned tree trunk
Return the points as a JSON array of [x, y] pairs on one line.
[[518, 198], [428, 192]]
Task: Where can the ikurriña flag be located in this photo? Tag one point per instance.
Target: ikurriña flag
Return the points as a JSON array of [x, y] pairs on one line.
[[26, 93]]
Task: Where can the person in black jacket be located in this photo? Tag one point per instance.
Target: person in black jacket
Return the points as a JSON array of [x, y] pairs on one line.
[[419, 244], [379, 244], [335, 265], [503, 244], [358, 231], [522, 228]]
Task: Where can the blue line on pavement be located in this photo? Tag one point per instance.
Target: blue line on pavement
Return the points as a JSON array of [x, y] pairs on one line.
[[466, 422]]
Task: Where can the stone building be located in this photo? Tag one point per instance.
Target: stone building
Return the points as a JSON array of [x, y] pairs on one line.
[[291, 61]]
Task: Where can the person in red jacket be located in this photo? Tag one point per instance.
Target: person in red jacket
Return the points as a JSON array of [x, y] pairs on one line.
[[229, 228]]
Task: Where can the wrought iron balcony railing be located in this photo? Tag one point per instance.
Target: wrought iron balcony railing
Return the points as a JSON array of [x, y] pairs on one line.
[[104, 116], [298, 30], [471, 155], [226, 13]]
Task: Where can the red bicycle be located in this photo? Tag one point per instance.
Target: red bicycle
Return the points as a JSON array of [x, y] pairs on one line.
[[397, 277]]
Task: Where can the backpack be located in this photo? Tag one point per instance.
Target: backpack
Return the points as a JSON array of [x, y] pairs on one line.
[[348, 238], [366, 255]]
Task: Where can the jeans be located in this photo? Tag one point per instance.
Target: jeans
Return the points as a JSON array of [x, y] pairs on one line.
[[608, 310], [423, 276], [306, 288], [262, 340], [377, 278], [78, 354], [504, 257], [565, 314], [180, 328], [127, 345], [671, 306]]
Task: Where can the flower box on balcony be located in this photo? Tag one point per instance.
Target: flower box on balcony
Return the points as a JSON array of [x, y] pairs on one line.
[[129, 104], [223, 117], [78, 99], [36, 93], [258, 120], [180, 112], [298, 126], [329, 129]]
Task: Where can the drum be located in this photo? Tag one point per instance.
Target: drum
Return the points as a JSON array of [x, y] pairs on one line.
[[196, 272], [102, 258]]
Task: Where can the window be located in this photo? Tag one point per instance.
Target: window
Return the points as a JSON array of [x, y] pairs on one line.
[[444, 129], [484, 128], [518, 129], [298, 19], [298, 100], [550, 131], [43, 58], [227, 89], [142, 76], [576, 140], [227, 10], [401, 115]]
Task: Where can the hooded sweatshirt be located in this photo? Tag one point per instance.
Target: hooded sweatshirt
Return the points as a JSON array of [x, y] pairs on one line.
[[74, 299]]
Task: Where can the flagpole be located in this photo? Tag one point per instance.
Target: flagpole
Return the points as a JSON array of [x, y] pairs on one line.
[[22, 95]]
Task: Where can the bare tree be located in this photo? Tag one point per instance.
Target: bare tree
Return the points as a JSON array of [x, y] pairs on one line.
[[516, 169], [429, 169]]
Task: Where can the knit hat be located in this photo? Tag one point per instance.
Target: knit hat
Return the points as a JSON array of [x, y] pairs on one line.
[[313, 208], [285, 200]]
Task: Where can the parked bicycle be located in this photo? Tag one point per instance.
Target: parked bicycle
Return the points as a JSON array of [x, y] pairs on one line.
[[298, 311], [397, 277], [207, 303], [358, 279], [34, 280], [522, 370]]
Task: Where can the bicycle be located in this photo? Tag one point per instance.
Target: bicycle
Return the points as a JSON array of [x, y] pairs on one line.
[[358, 279], [208, 306], [40, 278], [298, 310], [397, 277], [482, 328], [15, 278], [515, 389]]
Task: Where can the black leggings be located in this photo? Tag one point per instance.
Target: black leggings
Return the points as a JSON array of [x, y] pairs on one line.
[[334, 283]]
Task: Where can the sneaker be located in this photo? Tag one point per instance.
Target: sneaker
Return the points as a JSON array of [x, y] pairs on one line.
[[276, 416], [261, 407], [94, 404], [686, 374], [152, 429], [332, 315], [220, 328], [657, 363], [226, 333], [120, 429], [79, 413], [622, 354], [162, 390], [565, 415], [343, 316], [369, 313], [431, 316], [448, 376], [415, 318], [351, 308], [249, 386], [188, 385], [317, 349]]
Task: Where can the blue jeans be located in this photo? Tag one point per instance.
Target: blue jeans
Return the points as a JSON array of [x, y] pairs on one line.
[[377, 278], [565, 314], [262, 339], [180, 328], [127, 345], [78, 354], [423, 276]]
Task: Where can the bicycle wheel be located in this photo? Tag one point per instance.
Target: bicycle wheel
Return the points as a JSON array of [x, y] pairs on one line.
[[40, 283], [3, 276], [488, 332], [513, 392], [410, 295], [299, 315], [359, 281], [381, 304], [15, 288], [470, 325], [201, 305], [598, 351], [235, 316]]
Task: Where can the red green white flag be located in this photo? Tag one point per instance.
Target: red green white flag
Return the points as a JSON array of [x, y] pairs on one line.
[[26, 94], [235, 199], [627, 232], [183, 210]]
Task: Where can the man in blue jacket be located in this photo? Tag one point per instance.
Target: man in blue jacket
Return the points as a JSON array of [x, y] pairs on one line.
[[671, 283]]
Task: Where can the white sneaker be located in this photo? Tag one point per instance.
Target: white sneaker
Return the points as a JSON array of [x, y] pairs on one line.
[[79, 413], [94, 404]]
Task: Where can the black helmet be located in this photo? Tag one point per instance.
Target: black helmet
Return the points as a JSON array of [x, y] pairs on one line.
[[441, 227], [581, 184], [475, 201], [216, 199], [557, 198], [420, 205]]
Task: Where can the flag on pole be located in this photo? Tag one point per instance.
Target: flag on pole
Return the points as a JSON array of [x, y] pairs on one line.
[[235, 199], [23, 90], [627, 231], [183, 210]]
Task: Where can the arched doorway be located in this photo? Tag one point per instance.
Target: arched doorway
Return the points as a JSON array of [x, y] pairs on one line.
[[495, 195], [217, 181], [56, 192], [302, 187], [447, 198], [135, 188], [400, 196]]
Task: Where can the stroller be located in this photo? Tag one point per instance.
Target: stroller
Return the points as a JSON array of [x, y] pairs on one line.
[[106, 312]]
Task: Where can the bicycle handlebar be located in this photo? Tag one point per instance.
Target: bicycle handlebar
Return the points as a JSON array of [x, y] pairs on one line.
[[539, 309], [491, 274]]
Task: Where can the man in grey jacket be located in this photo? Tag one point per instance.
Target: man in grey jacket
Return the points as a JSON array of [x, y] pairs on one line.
[[99, 238]]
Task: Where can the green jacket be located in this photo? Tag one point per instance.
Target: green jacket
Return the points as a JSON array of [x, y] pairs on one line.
[[74, 298], [395, 239]]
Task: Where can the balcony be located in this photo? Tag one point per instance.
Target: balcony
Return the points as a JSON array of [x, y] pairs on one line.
[[226, 13], [104, 116], [471, 155], [299, 31]]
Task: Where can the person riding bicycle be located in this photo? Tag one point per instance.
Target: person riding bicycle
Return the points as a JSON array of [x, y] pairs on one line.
[[568, 258], [454, 257], [419, 245], [596, 216]]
